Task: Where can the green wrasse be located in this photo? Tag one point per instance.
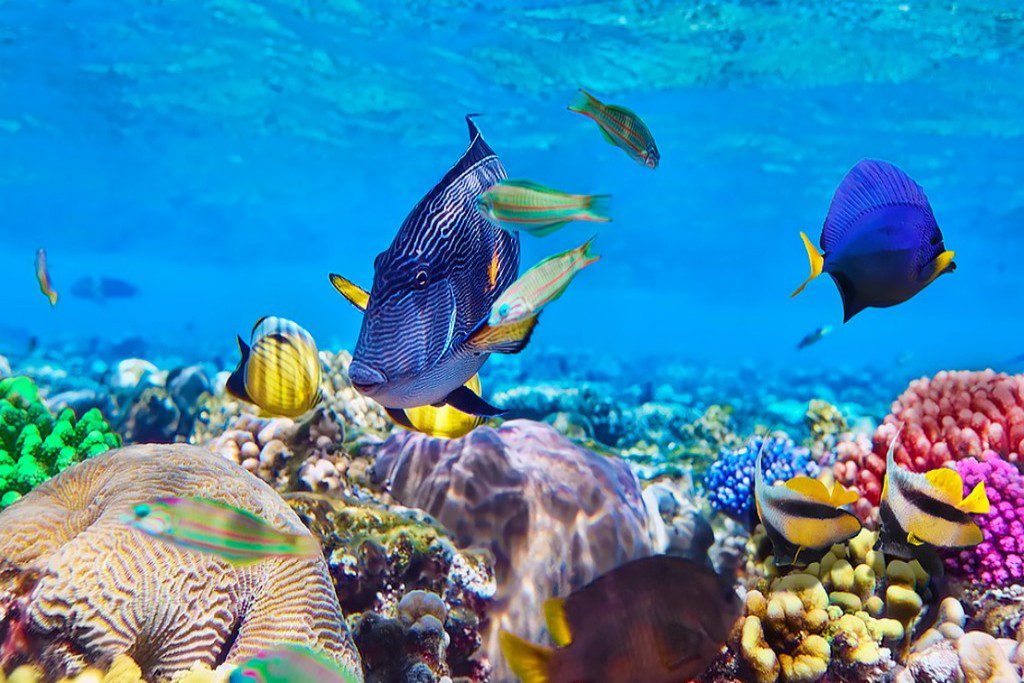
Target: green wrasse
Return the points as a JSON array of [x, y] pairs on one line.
[[802, 517], [209, 526], [540, 285], [620, 127], [536, 209], [291, 663], [43, 277], [279, 370]]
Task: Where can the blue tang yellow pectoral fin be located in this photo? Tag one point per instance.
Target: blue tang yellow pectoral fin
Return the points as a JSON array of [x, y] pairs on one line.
[[356, 295]]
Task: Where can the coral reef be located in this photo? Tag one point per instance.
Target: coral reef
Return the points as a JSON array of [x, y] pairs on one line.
[[35, 445], [80, 586], [553, 514]]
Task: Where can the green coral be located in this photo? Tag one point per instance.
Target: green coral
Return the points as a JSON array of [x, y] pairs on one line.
[[35, 445]]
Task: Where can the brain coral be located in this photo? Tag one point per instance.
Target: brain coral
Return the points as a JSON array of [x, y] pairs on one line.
[[555, 515], [78, 586], [34, 445]]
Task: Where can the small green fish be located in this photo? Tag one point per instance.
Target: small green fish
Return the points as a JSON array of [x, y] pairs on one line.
[[540, 285], [212, 527], [620, 127], [536, 209], [291, 663]]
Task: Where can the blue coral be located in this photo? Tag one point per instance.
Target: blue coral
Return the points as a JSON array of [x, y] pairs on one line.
[[729, 482]]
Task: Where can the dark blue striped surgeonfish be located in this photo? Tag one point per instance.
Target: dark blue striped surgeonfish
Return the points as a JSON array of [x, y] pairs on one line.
[[425, 332]]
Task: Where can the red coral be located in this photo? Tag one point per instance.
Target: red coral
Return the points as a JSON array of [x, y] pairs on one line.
[[952, 416]]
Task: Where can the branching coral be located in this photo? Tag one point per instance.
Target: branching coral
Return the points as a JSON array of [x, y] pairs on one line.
[[35, 445]]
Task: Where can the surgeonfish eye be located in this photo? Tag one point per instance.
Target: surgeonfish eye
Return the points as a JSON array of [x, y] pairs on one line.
[[421, 279]]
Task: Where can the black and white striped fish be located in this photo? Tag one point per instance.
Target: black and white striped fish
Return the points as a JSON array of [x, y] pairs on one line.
[[425, 332], [802, 517]]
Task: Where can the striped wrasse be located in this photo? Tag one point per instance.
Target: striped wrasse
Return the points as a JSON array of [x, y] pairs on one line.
[[539, 286], [212, 527], [43, 277], [291, 663], [536, 209], [620, 127]]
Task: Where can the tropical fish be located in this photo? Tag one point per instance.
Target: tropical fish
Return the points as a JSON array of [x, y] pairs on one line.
[[445, 422], [209, 526], [802, 517], [280, 371], [660, 619], [99, 289], [814, 337], [43, 276], [291, 663], [540, 285], [539, 210], [927, 508], [421, 339], [621, 127], [880, 243]]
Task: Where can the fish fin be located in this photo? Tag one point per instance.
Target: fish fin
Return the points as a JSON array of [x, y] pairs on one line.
[[463, 399], [948, 483], [977, 502], [943, 263], [841, 495], [525, 184], [784, 551], [399, 417], [558, 625], [356, 295], [506, 338], [588, 255], [913, 540], [584, 103], [236, 380], [852, 305], [598, 208], [544, 230], [816, 259], [869, 185], [528, 661], [812, 488]]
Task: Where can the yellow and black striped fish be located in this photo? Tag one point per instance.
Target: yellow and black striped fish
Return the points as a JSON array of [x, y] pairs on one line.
[[920, 508], [802, 517], [279, 370]]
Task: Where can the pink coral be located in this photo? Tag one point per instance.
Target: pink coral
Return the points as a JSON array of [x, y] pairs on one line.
[[999, 559]]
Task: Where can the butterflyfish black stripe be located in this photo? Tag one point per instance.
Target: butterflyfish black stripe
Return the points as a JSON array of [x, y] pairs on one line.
[[807, 509], [936, 508]]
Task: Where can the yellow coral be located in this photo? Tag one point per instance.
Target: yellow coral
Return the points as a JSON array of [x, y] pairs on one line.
[[858, 644], [756, 652], [809, 660]]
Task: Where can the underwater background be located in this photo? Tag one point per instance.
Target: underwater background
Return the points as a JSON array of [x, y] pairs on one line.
[[215, 160]]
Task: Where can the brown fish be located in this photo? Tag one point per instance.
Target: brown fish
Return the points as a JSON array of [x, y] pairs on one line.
[[660, 619]]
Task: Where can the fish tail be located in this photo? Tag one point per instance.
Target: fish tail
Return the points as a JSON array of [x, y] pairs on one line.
[[52, 296], [598, 207], [977, 502], [528, 661], [816, 259], [586, 253], [306, 546], [585, 103]]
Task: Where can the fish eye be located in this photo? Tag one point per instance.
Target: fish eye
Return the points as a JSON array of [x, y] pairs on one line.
[[421, 279], [503, 310]]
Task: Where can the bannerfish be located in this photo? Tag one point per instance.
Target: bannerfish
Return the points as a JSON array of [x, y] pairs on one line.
[[208, 526], [802, 517], [621, 127], [291, 663], [279, 370], [920, 508], [540, 285], [445, 422], [814, 337], [880, 242], [660, 619], [538, 210], [99, 289], [424, 332], [43, 276]]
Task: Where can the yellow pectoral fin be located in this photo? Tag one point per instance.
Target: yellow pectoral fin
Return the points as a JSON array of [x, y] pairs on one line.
[[842, 496], [977, 502], [941, 264], [914, 540], [947, 483], [528, 661], [356, 295], [812, 488], [817, 262], [554, 617]]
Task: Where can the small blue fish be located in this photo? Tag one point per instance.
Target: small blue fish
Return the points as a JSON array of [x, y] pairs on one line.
[[880, 241], [292, 663], [814, 336], [425, 331]]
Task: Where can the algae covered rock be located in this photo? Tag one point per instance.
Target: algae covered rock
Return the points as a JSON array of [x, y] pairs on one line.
[[35, 445], [78, 586]]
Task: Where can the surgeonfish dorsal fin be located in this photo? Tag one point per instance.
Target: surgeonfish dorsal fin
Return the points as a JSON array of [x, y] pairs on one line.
[[947, 483], [558, 625], [977, 502], [528, 661], [841, 495], [356, 295], [812, 488]]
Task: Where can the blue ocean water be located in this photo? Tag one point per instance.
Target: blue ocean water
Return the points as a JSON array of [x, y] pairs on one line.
[[225, 155]]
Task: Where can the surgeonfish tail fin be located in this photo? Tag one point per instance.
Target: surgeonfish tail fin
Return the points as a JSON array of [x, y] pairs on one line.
[[816, 259], [584, 102], [977, 502], [943, 263], [528, 661], [558, 625], [598, 208], [356, 295]]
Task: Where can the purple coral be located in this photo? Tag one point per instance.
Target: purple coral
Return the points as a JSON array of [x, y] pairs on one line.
[[999, 559]]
